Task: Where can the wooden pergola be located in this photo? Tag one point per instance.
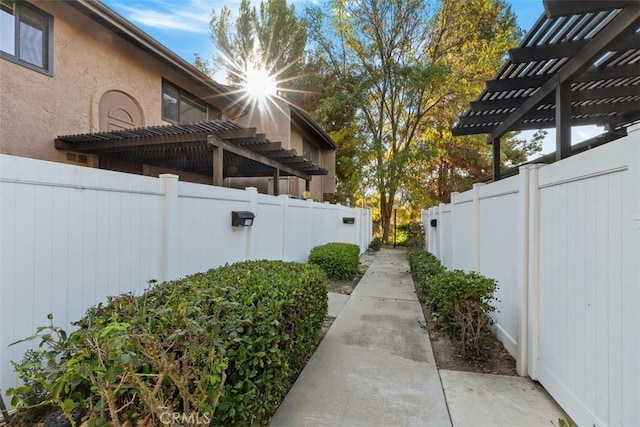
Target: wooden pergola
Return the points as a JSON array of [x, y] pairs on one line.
[[218, 148], [578, 65]]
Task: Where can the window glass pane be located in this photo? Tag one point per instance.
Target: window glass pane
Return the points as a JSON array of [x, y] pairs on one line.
[[191, 111], [33, 30], [311, 152], [170, 96], [7, 27]]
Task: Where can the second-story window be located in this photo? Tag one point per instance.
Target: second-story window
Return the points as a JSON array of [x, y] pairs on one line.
[[26, 35], [179, 106], [310, 152]]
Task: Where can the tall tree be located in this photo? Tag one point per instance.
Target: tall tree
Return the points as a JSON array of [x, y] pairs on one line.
[[271, 39], [402, 63]]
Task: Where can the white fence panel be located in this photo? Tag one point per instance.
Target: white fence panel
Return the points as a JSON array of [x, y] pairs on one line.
[[499, 254], [298, 230], [589, 309], [268, 228], [205, 236], [320, 221], [71, 236], [463, 217], [445, 236], [563, 241]]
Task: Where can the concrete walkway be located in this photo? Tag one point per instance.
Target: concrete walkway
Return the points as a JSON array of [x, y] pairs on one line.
[[375, 367]]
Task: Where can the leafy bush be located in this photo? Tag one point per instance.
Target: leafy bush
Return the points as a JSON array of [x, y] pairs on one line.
[[33, 394], [415, 235], [401, 234], [461, 302], [225, 345], [424, 267], [376, 243], [410, 234], [338, 260]]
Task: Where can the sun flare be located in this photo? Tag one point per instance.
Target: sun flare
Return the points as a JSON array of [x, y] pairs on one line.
[[260, 85]]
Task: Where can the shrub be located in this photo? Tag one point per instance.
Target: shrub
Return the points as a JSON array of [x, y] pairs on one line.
[[376, 243], [410, 234], [225, 344], [415, 235], [461, 302], [401, 234], [424, 267], [339, 261]]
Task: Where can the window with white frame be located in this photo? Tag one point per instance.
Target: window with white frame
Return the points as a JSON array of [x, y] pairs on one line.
[[26, 36]]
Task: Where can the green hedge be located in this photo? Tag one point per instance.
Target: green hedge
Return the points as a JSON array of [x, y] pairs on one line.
[[339, 261], [226, 345], [460, 301], [424, 267], [376, 243]]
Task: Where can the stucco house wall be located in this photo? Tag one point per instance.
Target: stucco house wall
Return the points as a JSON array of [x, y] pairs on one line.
[[89, 60], [272, 119]]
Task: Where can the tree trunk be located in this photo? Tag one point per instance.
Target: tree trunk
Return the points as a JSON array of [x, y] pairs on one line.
[[386, 212]]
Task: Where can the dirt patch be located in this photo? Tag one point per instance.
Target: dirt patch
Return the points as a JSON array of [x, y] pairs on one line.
[[347, 286], [448, 353]]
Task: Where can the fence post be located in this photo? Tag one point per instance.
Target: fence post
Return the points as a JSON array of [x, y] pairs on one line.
[[533, 271], [424, 218], [170, 227], [358, 215], [440, 231], [309, 226], [327, 221], [454, 227], [284, 200], [523, 270], [428, 232], [476, 226], [252, 195]]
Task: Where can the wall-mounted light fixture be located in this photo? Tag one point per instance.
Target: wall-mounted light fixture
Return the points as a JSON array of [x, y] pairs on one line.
[[348, 220], [433, 222], [242, 218]]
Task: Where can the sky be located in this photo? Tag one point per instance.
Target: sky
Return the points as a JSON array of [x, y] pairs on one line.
[[183, 27]]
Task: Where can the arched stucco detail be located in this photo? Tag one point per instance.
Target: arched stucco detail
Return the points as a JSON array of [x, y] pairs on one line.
[[97, 97]]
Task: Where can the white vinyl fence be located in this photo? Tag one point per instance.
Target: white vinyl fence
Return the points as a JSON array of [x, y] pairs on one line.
[[563, 241], [71, 236]]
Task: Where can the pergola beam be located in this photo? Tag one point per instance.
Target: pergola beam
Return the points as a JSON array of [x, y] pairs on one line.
[[590, 75], [543, 124], [563, 121], [566, 49], [554, 8], [117, 144], [549, 112], [625, 22], [269, 146], [496, 159], [239, 151], [243, 133], [578, 95]]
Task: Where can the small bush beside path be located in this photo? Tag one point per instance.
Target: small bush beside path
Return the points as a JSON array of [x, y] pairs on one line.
[[460, 302]]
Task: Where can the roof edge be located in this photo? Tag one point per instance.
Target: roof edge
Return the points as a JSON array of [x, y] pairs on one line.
[[103, 15], [301, 116]]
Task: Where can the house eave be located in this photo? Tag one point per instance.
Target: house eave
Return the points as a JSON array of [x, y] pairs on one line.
[[103, 15]]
